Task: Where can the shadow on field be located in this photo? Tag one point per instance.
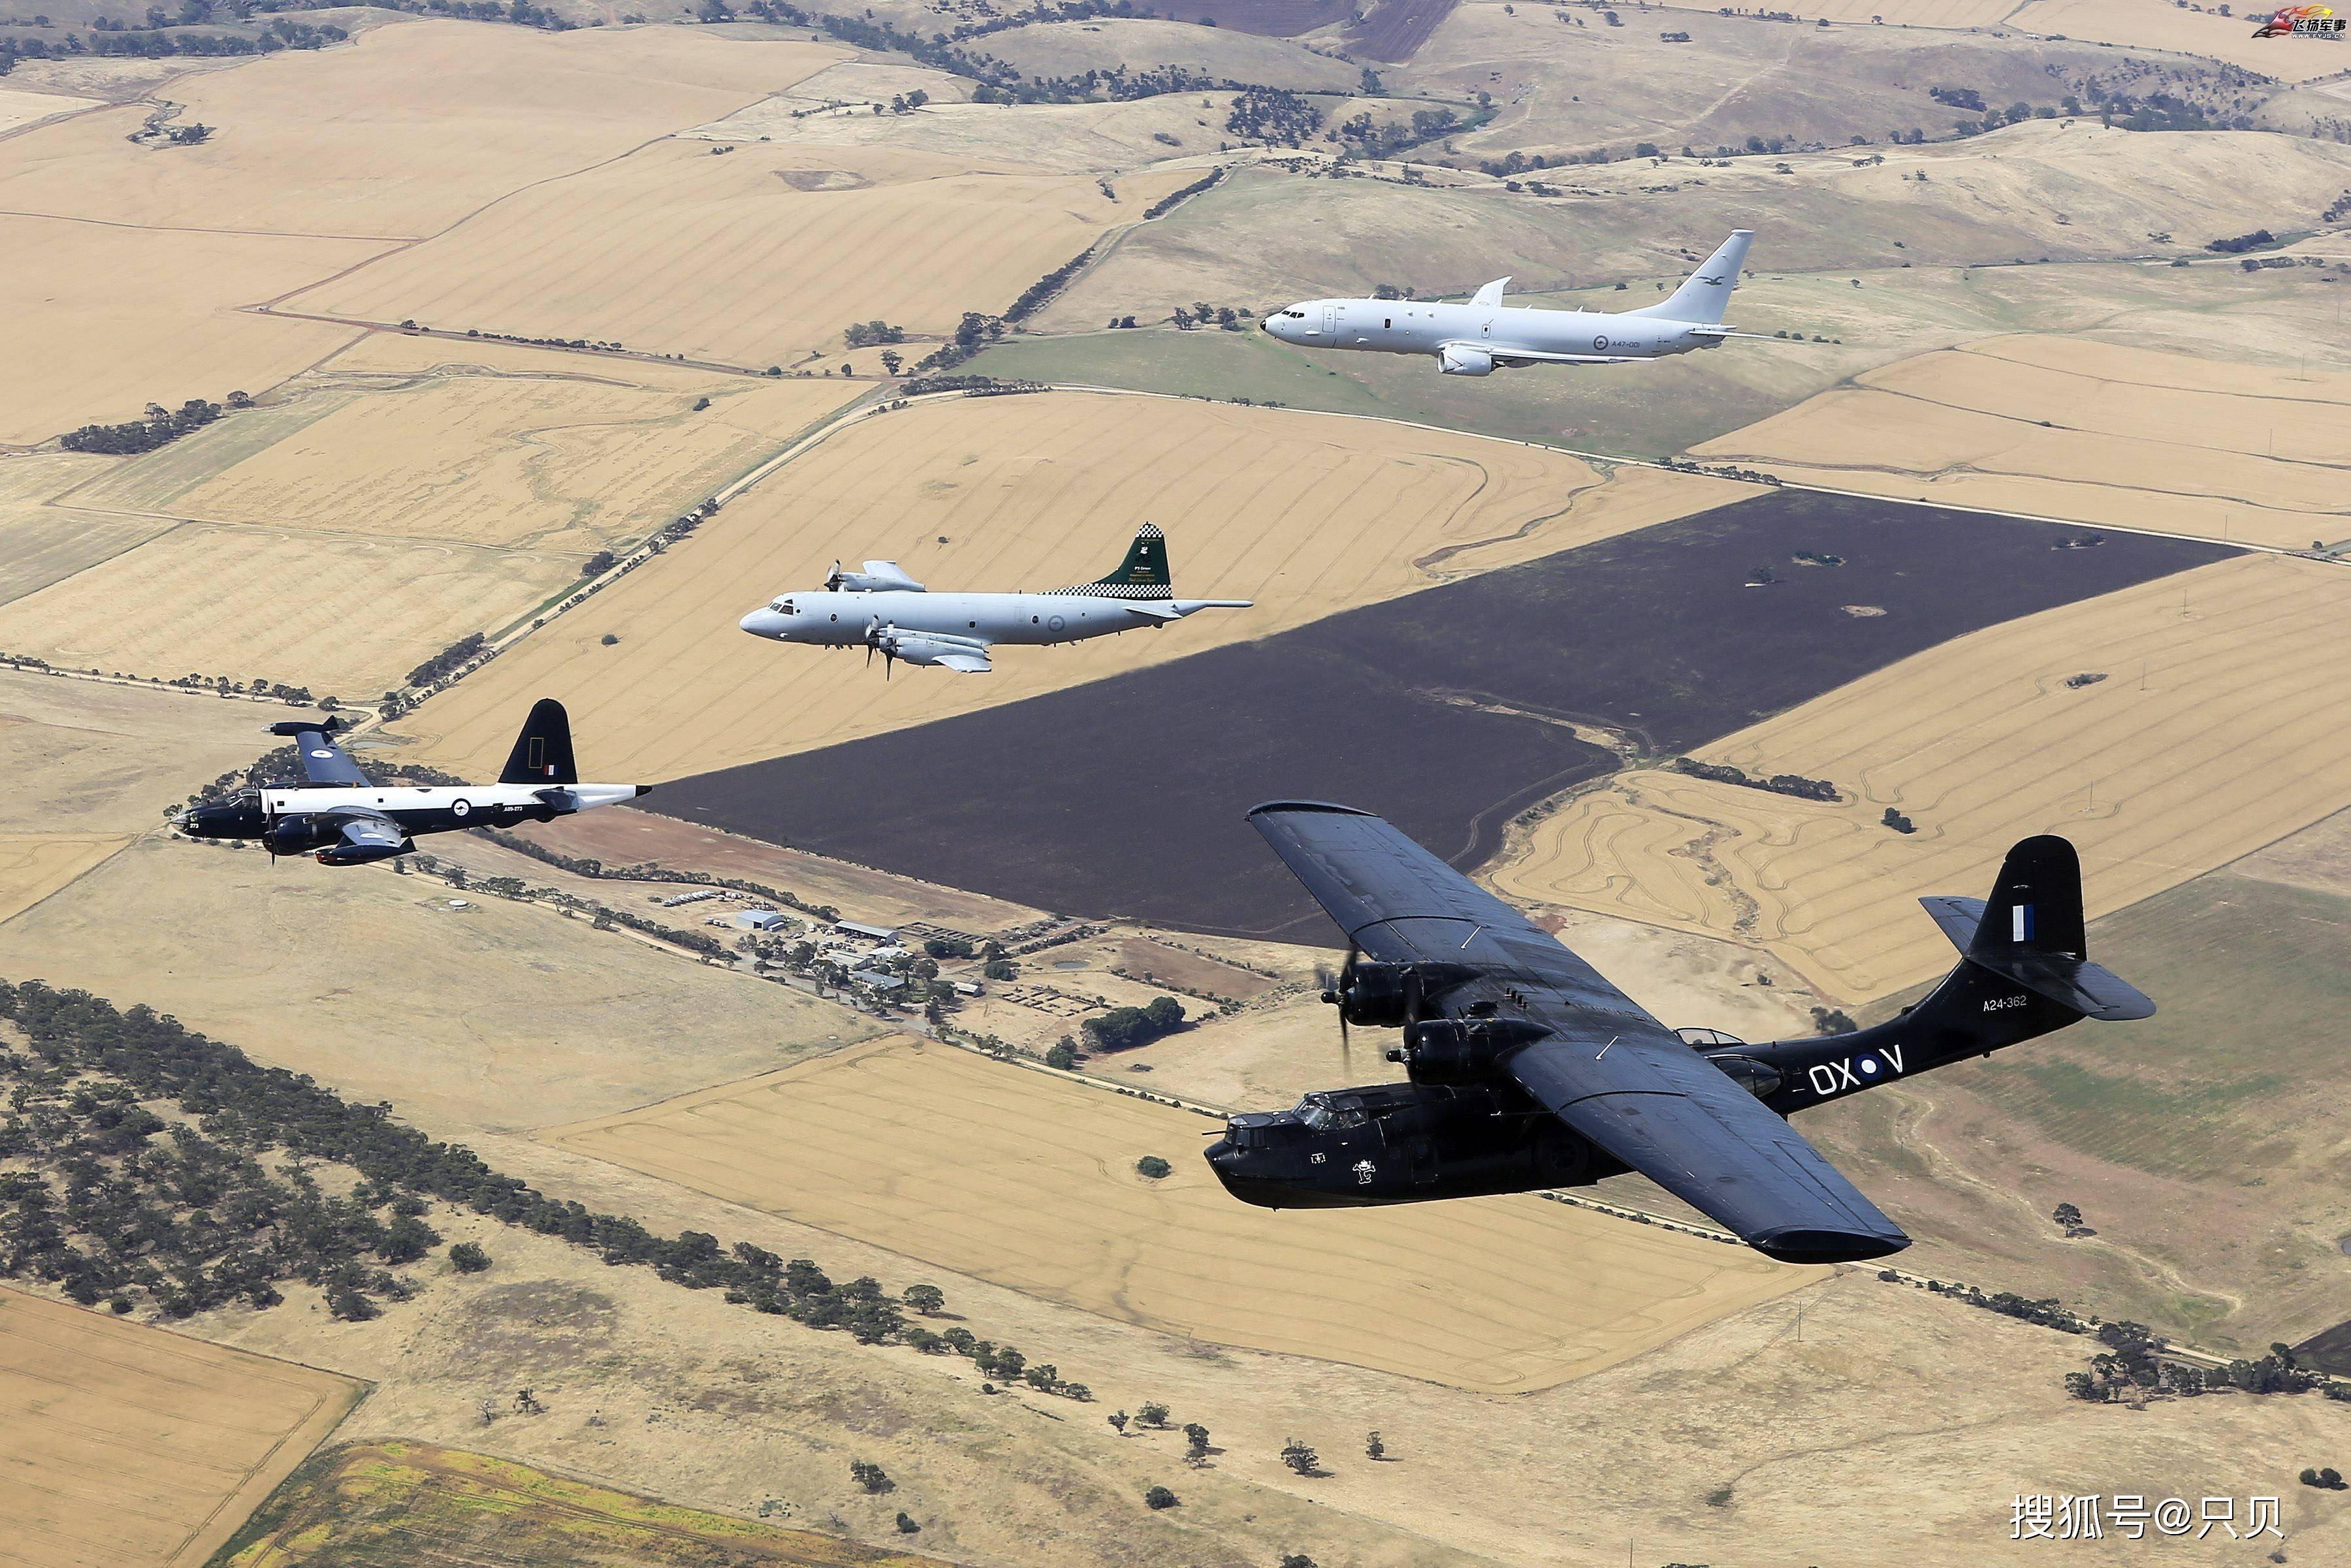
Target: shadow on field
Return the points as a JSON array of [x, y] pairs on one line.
[[1445, 711]]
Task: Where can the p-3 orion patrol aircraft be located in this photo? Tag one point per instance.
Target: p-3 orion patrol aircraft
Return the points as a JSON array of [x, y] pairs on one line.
[[1485, 335], [345, 819], [1527, 1069], [886, 611]]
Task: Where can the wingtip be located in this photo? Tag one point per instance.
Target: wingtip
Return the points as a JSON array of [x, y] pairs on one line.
[[1815, 1245]]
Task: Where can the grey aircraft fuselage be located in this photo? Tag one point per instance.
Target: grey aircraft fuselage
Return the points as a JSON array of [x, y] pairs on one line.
[[1483, 335]]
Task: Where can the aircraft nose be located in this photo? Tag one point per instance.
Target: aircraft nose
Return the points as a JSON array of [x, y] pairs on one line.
[[761, 622]]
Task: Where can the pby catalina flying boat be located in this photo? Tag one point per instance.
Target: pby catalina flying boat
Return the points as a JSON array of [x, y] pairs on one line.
[[886, 611], [1527, 1069], [345, 819], [1486, 335]]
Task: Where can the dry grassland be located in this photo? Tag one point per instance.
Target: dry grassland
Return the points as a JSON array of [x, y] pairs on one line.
[[346, 615], [757, 270], [2160, 24], [2212, 733], [2073, 427], [1305, 514], [407, 130], [129, 315], [498, 1015], [133, 1446], [1029, 1181], [1031, 139], [544, 462], [1224, 54]]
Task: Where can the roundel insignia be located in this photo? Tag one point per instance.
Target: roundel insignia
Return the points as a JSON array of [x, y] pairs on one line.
[[1598, 344], [1868, 1065], [459, 808], [1055, 622], [322, 751]]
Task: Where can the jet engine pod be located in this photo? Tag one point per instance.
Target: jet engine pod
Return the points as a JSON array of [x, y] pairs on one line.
[[1461, 1050], [1461, 359]]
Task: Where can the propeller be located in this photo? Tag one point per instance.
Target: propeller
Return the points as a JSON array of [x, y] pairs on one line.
[[1335, 991], [832, 579], [884, 638]]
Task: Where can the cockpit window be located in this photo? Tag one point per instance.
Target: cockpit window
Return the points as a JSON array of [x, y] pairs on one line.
[[1319, 1114], [1295, 315], [781, 607]]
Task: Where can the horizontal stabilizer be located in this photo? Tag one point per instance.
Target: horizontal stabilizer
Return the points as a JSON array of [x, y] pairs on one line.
[[2088, 990], [2032, 931], [332, 724]]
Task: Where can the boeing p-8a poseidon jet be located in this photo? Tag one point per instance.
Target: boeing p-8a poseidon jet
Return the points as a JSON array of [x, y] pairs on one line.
[[886, 611], [1486, 335]]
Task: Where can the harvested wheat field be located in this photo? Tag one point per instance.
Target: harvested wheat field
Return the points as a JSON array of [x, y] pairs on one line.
[[496, 1016], [131, 1446], [1305, 514], [1028, 1180], [86, 757], [2214, 723], [349, 616], [128, 316], [563, 461], [769, 257], [2076, 428], [412, 128]]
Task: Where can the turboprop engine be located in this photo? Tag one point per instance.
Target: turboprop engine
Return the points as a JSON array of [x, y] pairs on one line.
[[301, 834], [340, 853], [1461, 359]]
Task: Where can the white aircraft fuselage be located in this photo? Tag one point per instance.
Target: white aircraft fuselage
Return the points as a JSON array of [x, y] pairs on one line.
[[1485, 335]]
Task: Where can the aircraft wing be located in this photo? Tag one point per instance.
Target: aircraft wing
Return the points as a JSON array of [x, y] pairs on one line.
[[1597, 1061], [975, 662], [1503, 353], [323, 761]]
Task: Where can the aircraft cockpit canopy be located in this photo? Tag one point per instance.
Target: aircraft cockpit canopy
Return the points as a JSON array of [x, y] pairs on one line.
[[782, 607], [1320, 1112]]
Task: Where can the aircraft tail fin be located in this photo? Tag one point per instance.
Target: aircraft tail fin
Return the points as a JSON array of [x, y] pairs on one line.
[[542, 752], [2031, 931], [1706, 294], [1141, 575]]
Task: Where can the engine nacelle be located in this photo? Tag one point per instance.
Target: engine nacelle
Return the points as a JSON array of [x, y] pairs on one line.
[[301, 834], [1462, 1050], [1388, 996], [1461, 359], [915, 650]]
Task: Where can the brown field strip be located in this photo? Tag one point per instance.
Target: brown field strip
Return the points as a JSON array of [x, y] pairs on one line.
[[2161, 24], [127, 1445], [1306, 515], [2076, 428], [404, 133], [760, 269], [1029, 1181], [2217, 727]]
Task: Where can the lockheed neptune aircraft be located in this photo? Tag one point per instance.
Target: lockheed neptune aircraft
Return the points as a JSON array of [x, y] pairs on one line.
[[886, 611], [346, 819], [1528, 1070], [1485, 335]]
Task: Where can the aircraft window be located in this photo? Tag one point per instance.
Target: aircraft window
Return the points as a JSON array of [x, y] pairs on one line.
[[1315, 1116], [1388, 321]]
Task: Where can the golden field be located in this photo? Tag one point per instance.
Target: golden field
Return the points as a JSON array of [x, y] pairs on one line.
[[1028, 1180], [2078, 428], [412, 128], [43, 542], [566, 457], [1305, 514], [134, 1447], [344, 615], [2209, 736], [133, 316], [759, 255]]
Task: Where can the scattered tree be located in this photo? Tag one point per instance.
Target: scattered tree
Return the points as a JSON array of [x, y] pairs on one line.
[[1153, 1414], [1152, 1166], [871, 1476], [1156, 1498], [1301, 1458]]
